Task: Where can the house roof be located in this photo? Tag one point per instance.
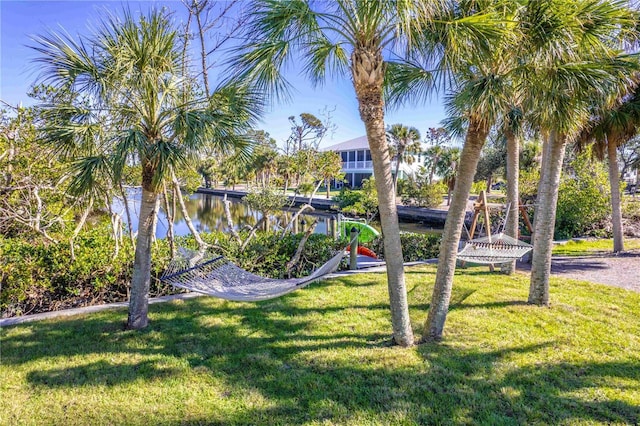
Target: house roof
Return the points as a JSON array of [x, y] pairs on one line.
[[357, 143]]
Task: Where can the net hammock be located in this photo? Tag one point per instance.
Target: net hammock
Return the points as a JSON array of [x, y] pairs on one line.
[[494, 249], [218, 277]]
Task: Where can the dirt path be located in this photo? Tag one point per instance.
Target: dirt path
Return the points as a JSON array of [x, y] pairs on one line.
[[621, 271]]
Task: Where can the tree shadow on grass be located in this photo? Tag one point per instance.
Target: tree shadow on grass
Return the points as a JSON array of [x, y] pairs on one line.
[[100, 373], [305, 372]]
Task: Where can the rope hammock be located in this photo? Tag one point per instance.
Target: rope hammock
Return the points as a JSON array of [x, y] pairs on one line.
[[218, 277], [494, 249]]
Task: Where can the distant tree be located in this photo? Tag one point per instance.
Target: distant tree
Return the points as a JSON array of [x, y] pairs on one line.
[[492, 160], [437, 139], [404, 143], [447, 168], [306, 134]]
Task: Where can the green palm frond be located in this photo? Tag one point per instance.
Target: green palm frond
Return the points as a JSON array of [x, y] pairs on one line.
[[90, 175], [326, 56], [407, 81], [126, 145]]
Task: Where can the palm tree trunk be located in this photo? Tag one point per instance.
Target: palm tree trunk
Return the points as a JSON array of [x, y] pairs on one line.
[[368, 75], [513, 193], [141, 279], [614, 182], [545, 218], [434, 326], [395, 177]]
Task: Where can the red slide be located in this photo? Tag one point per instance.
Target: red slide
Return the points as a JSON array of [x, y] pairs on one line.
[[365, 251]]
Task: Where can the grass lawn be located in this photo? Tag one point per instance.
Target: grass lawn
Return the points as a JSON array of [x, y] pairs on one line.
[[592, 246], [320, 356]]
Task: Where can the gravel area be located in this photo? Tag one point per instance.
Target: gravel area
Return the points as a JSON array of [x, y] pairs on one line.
[[622, 270]]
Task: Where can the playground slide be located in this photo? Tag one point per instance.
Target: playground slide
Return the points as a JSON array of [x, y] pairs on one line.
[[367, 232]]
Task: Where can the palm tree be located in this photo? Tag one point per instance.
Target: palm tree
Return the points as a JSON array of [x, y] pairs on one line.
[[404, 143], [584, 64], [447, 168], [129, 80], [478, 73], [611, 128]]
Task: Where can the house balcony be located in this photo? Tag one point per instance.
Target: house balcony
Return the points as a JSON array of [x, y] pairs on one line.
[[357, 165]]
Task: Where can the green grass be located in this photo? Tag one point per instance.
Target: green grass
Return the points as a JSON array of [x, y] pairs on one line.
[[592, 246], [321, 356]]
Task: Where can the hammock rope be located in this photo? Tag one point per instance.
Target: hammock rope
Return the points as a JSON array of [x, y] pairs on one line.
[[217, 276]]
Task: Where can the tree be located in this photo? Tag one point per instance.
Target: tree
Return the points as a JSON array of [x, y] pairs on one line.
[[493, 159], [584, 63], [610, 129], [437, 139], [470, 59], [305, 135], [328, 166], [447, 168], [347, 38], [129, 75], [404, 143]]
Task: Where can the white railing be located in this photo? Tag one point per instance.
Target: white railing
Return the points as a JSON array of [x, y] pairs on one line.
[[352, 165]]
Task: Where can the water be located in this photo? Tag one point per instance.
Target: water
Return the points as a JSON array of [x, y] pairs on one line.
[[207, 214]]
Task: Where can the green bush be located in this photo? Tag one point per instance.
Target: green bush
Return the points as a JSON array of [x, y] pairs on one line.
[[362, 202], [414, 193], [38, 277], [414, 246], [478, 186], [583, 199]]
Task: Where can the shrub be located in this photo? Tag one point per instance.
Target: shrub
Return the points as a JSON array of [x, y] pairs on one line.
[[359, 203], [422, 195], [478, 186], [38, 277], [583, 199], [414, 246]]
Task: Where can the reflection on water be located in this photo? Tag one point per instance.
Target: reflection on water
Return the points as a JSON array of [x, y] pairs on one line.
[[207, 214]]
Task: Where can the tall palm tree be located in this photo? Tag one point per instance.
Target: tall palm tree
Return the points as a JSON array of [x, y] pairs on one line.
[[584, 63], [404, 143], [609, 129], [478, 76], [353, 38], [130, 86]]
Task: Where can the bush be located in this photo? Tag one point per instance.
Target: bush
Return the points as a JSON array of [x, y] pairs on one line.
[[37, 277], [414, 246], [362, 202], [421, 194], [478, 186], [583, 199]]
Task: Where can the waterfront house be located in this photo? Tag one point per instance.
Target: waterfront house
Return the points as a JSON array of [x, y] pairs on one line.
[[357, 165]]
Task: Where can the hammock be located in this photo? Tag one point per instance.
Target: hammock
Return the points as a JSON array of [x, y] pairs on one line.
[[219, 277], [494, 249]]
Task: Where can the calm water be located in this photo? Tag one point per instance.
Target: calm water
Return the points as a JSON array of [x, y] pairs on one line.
[[207, 214]]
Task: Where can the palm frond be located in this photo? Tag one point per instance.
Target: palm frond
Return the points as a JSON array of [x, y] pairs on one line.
[[89, 176]]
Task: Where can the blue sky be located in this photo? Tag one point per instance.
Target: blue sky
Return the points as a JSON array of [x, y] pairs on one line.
[[20, 20]]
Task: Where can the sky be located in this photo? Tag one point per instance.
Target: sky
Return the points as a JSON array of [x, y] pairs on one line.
[[21, 20]]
